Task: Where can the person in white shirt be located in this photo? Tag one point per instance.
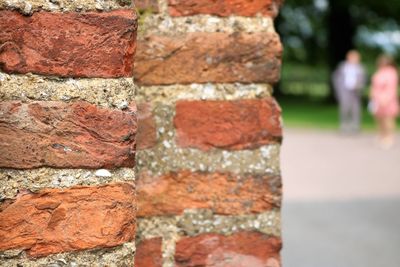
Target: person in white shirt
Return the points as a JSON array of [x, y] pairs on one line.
[[348, 80]]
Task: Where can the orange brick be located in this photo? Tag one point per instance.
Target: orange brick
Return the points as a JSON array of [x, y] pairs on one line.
[[172, 193], [65, 135], [232, 125], [242, 249], [149, 253], [55, 220], [208, 57], [224, 8], [90, 44]]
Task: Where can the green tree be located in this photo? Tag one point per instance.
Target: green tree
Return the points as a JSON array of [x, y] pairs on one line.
[[334, 28]]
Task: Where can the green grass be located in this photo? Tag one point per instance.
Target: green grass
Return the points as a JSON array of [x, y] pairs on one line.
[[300, 112], [305, 90]]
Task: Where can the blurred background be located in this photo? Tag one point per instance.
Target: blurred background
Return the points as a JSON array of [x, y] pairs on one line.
[[342, 193], [317, 35]]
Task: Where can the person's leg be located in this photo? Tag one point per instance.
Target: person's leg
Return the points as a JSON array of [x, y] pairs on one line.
[[380, 122], [345, 107], [380, 126], [387, 131], [390, 125]]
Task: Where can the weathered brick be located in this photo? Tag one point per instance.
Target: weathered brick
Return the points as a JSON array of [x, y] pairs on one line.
[[224, 8], [147, 131], [224, 194], [65, 135], [71, 44], [149, 253], [208, 57], [147, 5], [53, 220], [232, 125], [243, 249]]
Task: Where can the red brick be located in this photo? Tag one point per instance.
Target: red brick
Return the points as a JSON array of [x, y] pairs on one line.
[[147, 131], [65, 135], [232, 125], [147, 5], [70, 44], [79, 218], [224, 8], [149, 253], [225, 194], [243, 249], [208, 57]]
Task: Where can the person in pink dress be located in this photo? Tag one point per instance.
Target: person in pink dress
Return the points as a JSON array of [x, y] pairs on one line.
[[384, 99]]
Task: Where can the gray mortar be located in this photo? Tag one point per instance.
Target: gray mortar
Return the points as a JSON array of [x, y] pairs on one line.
[[11, 181], [165, 25], [172, 93], [111, 93], [165, 227], [27, 7], [196, 222], [121, 256], [167, 157]]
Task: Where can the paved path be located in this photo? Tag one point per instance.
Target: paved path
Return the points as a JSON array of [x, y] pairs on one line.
[[342, 201]]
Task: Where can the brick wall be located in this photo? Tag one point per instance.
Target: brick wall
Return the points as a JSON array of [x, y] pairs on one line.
[[67, 133], [209, 186]]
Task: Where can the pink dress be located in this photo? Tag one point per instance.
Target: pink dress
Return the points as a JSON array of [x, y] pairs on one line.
[[384, 92]]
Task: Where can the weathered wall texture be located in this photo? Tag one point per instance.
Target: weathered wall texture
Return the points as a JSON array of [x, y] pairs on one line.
[[67, 113], [208, 187], [208, 177]]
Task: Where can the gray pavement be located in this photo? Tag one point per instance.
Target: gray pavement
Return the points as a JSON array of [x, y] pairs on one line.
[[342, 201]]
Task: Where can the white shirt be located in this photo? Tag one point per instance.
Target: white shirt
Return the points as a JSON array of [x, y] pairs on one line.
[[350, 76]]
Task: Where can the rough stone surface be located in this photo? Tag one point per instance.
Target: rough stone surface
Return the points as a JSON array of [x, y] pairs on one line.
[[167, 157], [120, 256], [54, 221], [69, 44], [111, 93], [147, 5], [239, 250], [173, 93], [149, 253], [165, 25], [244, 124], [196, 222], [27, 7], [224, 7], [164, 227], [222, 193], [208, 57], [13, 181], [147, 130], [56, 134]]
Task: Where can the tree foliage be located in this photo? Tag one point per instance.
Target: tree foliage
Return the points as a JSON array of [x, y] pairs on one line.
[[320, 32]]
